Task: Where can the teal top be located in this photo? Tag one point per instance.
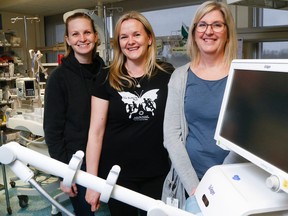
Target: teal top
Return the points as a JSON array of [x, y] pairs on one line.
[[202, 104]]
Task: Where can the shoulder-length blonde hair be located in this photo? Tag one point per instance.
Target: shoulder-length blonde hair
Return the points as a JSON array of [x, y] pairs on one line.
[[118, 76], [231, 45]]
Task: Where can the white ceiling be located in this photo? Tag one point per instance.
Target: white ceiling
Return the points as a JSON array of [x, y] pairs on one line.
[[53, 7]]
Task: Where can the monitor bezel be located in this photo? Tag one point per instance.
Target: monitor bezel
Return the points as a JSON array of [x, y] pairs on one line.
[[265, 65]]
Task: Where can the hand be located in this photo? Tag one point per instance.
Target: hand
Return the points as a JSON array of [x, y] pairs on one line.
[[71, 191], [93, 198], [193, 191]]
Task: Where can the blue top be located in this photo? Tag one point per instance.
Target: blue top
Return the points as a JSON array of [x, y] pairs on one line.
[[202, 104]]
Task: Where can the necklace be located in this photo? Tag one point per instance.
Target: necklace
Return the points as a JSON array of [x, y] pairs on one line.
[[137, 82], [138, 85]]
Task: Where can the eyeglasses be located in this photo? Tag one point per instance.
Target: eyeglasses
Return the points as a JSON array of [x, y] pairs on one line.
[[216, 26]]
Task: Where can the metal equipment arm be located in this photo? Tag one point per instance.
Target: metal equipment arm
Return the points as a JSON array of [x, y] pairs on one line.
[[12, 152]]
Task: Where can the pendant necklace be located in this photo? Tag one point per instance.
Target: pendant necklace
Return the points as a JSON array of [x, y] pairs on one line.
[[137, 82], [138, 85]]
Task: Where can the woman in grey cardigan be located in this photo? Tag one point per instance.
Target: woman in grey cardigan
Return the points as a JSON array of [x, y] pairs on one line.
[[195, 95]]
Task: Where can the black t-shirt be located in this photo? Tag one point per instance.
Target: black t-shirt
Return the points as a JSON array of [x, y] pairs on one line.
[[133, 137]]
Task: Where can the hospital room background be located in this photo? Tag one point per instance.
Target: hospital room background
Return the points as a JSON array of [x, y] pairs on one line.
[[32, 45]]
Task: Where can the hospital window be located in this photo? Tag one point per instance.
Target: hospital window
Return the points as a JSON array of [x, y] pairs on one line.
[[274, 49]]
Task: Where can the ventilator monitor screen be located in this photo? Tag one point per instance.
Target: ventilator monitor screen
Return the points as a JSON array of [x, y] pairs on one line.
[[29, 88], [253, 120]]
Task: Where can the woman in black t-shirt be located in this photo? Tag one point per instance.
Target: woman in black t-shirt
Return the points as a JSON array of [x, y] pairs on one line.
[[126, 126]]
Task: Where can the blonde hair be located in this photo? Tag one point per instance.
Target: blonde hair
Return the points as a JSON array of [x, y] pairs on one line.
[[68, 48], [118, 76], [231, 45]]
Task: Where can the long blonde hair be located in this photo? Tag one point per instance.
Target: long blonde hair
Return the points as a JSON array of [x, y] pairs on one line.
[[118, 76], [231, 45]]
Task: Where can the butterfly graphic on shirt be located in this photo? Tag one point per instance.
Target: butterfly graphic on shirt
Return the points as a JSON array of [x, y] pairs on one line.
[[134, 102]]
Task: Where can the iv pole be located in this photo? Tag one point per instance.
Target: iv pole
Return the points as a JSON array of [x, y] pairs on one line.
[[15, 19], [102, 12]]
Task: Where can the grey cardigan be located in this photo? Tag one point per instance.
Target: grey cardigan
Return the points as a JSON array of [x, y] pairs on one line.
[[176, 129]]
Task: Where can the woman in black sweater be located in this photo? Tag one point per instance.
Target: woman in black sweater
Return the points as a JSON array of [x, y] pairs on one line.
[[68, 99]]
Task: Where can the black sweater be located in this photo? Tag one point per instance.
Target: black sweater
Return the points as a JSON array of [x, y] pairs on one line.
[[68, 105]]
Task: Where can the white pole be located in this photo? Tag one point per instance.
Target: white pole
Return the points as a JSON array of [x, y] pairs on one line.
[[13, 151]]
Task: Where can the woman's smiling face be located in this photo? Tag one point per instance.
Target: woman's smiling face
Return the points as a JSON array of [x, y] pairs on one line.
[[81, 38], [211, 42], [134, 40]]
